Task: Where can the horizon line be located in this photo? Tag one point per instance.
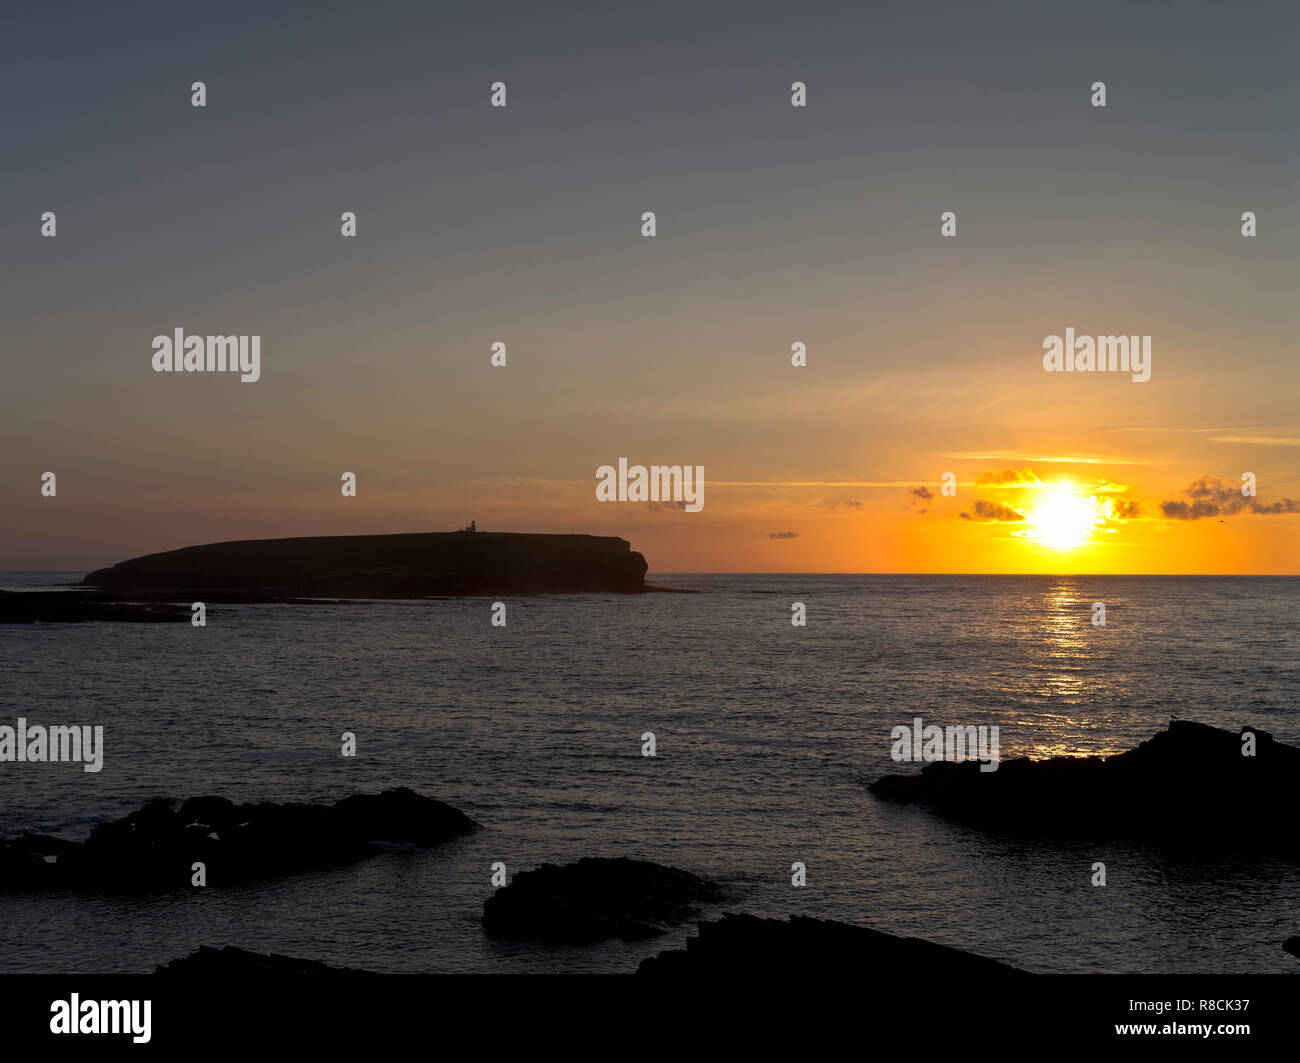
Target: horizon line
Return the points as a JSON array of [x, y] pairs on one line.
[[738, 572]]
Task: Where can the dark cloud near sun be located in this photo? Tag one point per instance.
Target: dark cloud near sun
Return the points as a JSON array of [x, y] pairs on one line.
[[918, 499], [784, 535], [1209, 496], [1007, 478], [994, 513]]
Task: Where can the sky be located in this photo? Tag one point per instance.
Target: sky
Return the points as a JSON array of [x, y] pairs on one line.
[[775, 225]]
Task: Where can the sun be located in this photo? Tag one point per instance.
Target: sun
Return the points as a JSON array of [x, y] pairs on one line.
[[1063, 518]]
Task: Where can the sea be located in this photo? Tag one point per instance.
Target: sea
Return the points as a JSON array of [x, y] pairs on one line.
[[766, 735]]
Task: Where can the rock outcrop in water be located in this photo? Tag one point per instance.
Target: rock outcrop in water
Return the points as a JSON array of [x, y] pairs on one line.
[[70, 607], [1190, 783], [235, 963], [742, 947], [384, 566], [153, 850], [595, 899]]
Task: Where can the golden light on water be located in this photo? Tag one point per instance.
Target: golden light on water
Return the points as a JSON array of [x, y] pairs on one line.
[[1066, 721]]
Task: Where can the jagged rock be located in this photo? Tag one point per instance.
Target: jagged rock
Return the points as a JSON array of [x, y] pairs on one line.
[[595, 899], [154, 848], [1189, 783], [232, 962], [1292, 945], [745, 946]]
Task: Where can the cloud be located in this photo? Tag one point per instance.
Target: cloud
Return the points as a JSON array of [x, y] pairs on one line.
[[660, 507], [799, 483], [918, 499], [1182, 511], [995, 513], [1209, 496], [1259, 441], [1121, 509], [1210, 487], [784, 535], [847, 503], [1007, 478], [1286, 505], [1149, 428], [1058, 459]]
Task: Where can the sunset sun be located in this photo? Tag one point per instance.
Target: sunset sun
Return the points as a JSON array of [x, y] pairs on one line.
[[1062, 518]]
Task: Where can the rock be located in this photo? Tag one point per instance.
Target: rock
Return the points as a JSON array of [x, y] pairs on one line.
[[402, 815], [1292, 945], [36, 862], [595, 899], [70, 607], [232, 962], [1189, 784], [154, 848], [745, 946]]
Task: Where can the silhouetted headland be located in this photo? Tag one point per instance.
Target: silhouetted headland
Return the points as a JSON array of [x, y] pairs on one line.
[[153, 850], [417, 565], [745, 946], [595, 899], [738, 947], [1192, 783], [233, 962]]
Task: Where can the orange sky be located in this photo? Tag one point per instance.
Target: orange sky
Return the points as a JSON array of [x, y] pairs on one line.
[[829, 452], [994, 522]]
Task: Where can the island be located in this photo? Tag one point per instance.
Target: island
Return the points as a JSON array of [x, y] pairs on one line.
[[413, 565]]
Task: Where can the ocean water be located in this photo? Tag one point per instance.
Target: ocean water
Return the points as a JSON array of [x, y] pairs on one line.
[[766, 734]]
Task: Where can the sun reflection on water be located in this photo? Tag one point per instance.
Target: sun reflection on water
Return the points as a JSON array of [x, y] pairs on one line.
[[1077, 699]]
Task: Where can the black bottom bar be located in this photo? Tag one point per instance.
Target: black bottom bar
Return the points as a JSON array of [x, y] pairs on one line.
[[1033, 1015]]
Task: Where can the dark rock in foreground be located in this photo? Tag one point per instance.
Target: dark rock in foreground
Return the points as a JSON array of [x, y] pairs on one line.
[[1189, 783], [1292, 945], [232, 962], [385, 566], [595, 899], [745, 946], [65, 607], [153, 850]]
